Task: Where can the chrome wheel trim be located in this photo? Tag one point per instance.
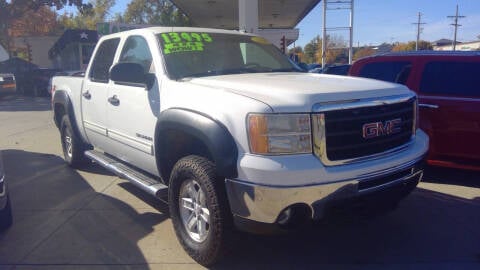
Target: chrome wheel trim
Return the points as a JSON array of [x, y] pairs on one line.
[[193, 210], [68, 144]]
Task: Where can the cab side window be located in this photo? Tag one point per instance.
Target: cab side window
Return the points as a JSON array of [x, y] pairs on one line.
[[103, 60], [135, 50], [451, 78], [396, 72]]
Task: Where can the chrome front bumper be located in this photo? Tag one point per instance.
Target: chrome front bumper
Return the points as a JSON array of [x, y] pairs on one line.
[[264, 204]]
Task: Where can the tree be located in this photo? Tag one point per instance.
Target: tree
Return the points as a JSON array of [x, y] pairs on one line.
[[363, 52], [89, 19], [310, 50], [155, 12], [35, 23], [410, 46], [336, 51], [13, 9]]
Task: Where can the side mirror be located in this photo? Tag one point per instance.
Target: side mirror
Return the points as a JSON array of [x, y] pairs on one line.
[[129, 73]]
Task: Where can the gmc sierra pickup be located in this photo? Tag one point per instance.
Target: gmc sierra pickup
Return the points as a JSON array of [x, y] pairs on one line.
[[231, 133]]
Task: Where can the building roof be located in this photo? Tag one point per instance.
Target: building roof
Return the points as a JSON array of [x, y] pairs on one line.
[[73, 36], [224, 13], [443, 41]]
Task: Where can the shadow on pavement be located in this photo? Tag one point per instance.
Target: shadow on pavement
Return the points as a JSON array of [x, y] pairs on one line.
[[452, 176], [17, 103], [59, 219], [428, 230]]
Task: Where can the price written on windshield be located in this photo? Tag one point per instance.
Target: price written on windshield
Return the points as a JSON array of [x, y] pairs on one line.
[[174, 37]]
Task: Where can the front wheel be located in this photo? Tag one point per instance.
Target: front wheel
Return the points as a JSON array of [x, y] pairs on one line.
[[199, 209]]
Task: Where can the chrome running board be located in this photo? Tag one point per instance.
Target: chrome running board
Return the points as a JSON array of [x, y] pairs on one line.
[[139, 179]]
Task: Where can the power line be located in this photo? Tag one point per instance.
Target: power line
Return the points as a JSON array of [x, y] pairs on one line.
[[419, 29], [456, 17]]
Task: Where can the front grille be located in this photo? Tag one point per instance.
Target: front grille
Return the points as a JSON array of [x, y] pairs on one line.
[[344, 130]]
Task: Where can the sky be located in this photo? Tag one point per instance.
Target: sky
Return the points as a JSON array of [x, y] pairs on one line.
[[378, 21]]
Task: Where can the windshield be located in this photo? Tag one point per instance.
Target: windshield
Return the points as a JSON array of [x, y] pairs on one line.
[[196, 54]]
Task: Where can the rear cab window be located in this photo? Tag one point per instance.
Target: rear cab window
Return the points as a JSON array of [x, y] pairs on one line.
[[451, 79]]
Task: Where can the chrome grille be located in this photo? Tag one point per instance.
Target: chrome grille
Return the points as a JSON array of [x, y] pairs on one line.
[[343, 138]]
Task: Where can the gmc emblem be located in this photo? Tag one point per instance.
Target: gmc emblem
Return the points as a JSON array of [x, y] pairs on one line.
[[377, 129]]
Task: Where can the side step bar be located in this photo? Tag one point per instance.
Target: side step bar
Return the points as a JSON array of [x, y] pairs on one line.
[[139, 179]]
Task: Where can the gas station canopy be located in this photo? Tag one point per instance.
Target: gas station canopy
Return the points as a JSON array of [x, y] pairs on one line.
[[272, 14]]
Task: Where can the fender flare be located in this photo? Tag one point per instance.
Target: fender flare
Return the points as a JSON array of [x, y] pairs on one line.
[[216, 137], [61, 97]]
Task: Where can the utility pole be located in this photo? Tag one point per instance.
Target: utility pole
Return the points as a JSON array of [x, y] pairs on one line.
[[419, 29], [456, 17]]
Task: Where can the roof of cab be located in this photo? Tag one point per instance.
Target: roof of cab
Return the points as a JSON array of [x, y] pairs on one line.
[[163, 29]]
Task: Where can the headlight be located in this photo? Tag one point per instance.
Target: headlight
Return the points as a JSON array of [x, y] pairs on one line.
[[1, 79], [275, 134]]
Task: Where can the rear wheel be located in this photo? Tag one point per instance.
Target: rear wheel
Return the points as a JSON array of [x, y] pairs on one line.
[[199, 209], [73, 147]]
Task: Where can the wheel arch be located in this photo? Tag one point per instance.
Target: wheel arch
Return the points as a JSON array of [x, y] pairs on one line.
[[181, 132], [61, 105]]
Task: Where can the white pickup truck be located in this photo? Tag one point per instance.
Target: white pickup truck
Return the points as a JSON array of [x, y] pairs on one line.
[[231, 133]]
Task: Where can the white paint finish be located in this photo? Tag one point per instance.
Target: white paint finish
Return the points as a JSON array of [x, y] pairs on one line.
[[299, 170], [228, 99], [227, 107], [248, 16], [298, 92], [136, 114]]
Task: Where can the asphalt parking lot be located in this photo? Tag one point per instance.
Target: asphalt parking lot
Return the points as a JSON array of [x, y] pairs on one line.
[[77, 219]]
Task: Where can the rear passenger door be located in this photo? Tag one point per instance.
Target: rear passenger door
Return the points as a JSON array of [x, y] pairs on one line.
[[450, 108], [95, 91]]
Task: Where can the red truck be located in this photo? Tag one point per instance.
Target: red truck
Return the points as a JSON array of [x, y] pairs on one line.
[[448, 87]]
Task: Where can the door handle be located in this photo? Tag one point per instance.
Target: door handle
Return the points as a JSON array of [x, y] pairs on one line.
[[114, 100], [430, 106], [87, 95]]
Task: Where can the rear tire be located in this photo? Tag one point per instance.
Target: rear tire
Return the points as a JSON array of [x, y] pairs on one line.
[[73, 148], [199, 209], [6, 219]]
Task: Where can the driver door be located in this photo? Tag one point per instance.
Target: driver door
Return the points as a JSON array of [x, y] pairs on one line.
[[132, 110]]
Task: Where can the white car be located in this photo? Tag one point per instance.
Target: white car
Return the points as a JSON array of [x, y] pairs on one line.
[[5, 207]]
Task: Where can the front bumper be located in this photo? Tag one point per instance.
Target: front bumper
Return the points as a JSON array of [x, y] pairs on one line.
[[265, 204]]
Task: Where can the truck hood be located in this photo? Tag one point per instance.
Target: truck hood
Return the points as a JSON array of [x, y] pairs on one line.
[[298, 92]]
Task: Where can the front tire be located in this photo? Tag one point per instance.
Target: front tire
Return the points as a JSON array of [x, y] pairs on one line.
[[199, 209], [73, 148]]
